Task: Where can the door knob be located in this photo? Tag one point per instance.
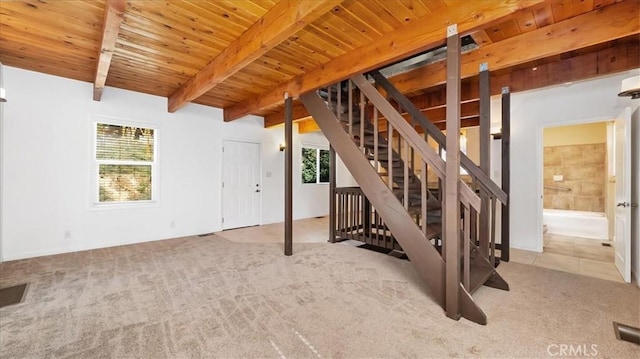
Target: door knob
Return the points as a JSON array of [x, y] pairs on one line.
[[622, 204], [257, 190]]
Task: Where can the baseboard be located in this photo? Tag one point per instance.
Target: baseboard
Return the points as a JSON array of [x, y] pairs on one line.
[[55, 251]]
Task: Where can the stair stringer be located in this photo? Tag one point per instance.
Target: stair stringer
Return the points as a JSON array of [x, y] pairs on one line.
[[426, 259]]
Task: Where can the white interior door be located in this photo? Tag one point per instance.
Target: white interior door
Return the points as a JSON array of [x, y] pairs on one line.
[[240, 184], [622, 235]]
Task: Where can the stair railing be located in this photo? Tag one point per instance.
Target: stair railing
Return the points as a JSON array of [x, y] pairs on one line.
[[357, 219], [481, 182], [407, 141], [390, 137]]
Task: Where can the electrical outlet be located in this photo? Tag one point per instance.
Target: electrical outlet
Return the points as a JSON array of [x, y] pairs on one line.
[[67, 234]]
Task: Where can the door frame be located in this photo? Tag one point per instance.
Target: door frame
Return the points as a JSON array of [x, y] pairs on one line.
[[626, 181], [540, 166], [222, 158]]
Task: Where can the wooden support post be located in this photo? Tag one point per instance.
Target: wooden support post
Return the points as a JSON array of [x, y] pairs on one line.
[[288, 176], [506, 177], [332, 194], [485, 148], [452, 201]]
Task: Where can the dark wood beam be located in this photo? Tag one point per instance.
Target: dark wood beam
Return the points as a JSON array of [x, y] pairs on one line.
[[299, 113], [451, 218], [403, 42], [113, 16], [620, 55], [506, 174], [288, 179], [282, 21], [596, 27], [485, 156], [469, 118]]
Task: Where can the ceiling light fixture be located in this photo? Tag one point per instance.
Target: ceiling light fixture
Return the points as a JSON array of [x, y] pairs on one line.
[[630, 87]]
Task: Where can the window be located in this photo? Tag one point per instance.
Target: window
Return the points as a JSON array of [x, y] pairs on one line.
[[315, 165], [125, 163]]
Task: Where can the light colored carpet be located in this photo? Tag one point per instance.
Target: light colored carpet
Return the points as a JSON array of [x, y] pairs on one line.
[[210, 297]]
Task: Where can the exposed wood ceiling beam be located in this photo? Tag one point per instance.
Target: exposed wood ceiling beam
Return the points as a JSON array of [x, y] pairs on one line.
[[309, 125], [113, 16], [281, 22], [602, 25], [465, 122], [405, 41], [622, 55], [276, 118], [469, 111]]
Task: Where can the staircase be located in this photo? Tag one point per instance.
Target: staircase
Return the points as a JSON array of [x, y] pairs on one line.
[[391, 167], [394, 208]]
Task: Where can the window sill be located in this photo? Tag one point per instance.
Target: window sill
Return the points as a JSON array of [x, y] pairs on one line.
[[124, 205]]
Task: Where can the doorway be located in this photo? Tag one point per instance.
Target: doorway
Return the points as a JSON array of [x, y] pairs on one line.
[[241, 185], [578, 199]]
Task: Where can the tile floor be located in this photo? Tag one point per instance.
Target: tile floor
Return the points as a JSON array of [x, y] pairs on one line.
[[574, 255], [568, 254], [311, 230]]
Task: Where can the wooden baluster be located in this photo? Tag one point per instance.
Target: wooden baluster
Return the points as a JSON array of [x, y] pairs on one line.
[[377, 221], [406, 175], [345, 213], [467, 248], [338, 101], [332, 194], [474, 214], [329, 103], [354, 214], [362, 109], [350, 109], [424, 195], [390, 154], [493, 231], [349, 213], [375, 139], [359, 217], [339, 214]]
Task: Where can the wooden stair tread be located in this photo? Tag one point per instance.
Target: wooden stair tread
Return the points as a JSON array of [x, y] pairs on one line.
[[480, 271]]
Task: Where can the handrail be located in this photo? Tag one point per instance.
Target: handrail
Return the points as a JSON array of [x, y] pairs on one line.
[[438, 136], [407, 132]]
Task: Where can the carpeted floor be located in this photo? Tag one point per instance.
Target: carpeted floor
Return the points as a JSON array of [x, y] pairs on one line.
[[210, 297]]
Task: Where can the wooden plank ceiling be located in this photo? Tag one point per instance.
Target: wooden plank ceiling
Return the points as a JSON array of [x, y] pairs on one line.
[[244, 55]]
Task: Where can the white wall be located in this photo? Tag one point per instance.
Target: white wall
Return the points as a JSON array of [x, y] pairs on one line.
[[309, 200], [46, 147], [531, 111]]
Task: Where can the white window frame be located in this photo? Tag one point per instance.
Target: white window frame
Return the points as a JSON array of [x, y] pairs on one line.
[[317, 148], [95, 165]]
